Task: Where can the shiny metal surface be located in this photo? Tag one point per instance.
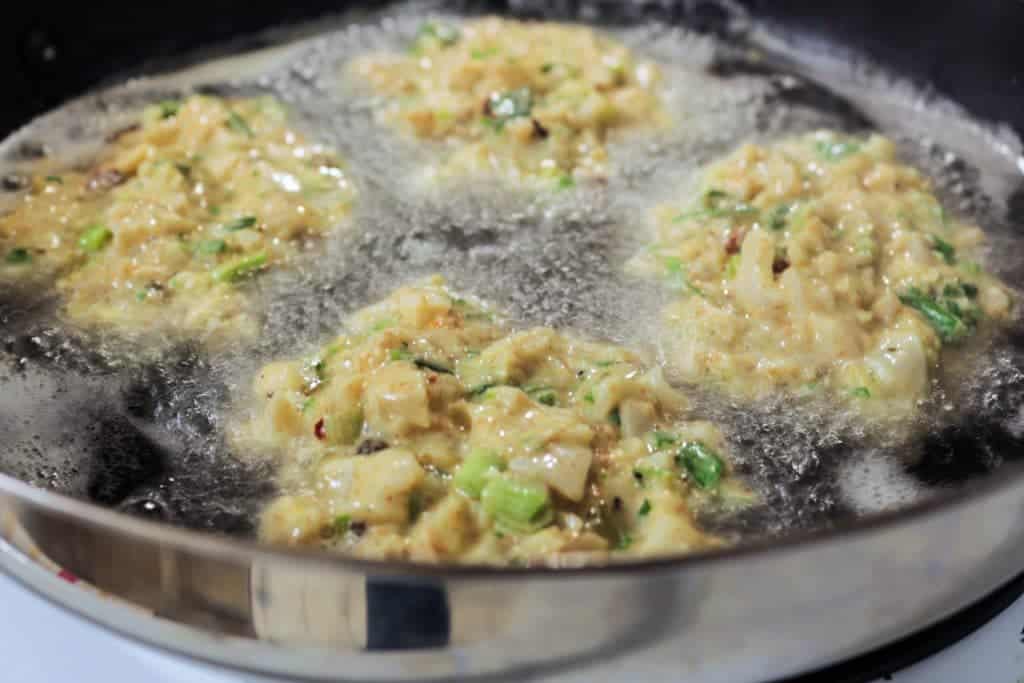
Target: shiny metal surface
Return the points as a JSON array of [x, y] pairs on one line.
[[744, 615]]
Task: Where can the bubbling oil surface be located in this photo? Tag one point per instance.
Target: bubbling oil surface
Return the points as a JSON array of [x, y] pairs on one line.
[[138, 424]]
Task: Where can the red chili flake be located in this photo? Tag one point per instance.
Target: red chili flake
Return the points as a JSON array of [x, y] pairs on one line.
[[318, 430], [779, 265], [732, 245], [67, 576]]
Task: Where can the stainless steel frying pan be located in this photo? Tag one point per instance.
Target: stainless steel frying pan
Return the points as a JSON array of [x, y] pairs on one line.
[[151, 538]]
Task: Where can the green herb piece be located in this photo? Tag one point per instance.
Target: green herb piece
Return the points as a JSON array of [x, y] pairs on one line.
[[341, 525], [211, 246], [589, 397], [214, 210], [236, 123], [54, 179], [565, 181], [307, 404], [605, 363], [676, 274], [645, 508], [547, 67], [240, 268], [486, 53], [424, 364], [95, 238], [416, 505], [400, 354], [543, 395], [615, 417], [516, 505], [836, 151], [779, 218], [971, 267], [475, 471], [511, 104], [169, 108], [660, 440], [950, 326], [860, 392], [732, 265], [382, 324], [945, 249], [18, 255], [625, 540], [141, 295], [243, 223], [702, 463], [445, 34], [729, 212], [481, 389]]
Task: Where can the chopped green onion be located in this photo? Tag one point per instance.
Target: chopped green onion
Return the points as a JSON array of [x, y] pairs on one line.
[[625, 540], [481, 389], [511, 104], [18, 255], [780, 217], [660, 440], [945, 249], [543, 395], [169, 108], [589, 397], [240, 268], [424, 364], [836, 151], [676, 273], [565, 181], [416, 505], [54, 179], [446, 34], [517, 505], [645, 508], [400, 354], [702, 463], [243, 223], [475, 471], [483, 54], [950, 326], [211, 246], [547, 67], [861, 392], [95, 238], [341, 524], [236, 123], [732, 265]]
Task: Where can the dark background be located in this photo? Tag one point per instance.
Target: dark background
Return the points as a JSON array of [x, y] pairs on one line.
[[972, 50]]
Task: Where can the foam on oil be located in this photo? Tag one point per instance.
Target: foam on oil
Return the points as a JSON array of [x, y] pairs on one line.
[[92, 417]]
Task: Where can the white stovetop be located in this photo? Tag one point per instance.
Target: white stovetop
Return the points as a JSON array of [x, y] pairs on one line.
[[41, 643]]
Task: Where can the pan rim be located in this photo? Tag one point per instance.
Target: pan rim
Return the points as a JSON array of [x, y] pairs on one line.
[[250, 550]]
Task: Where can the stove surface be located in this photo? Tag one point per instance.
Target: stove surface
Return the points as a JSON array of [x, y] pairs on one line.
[[45, 644]]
